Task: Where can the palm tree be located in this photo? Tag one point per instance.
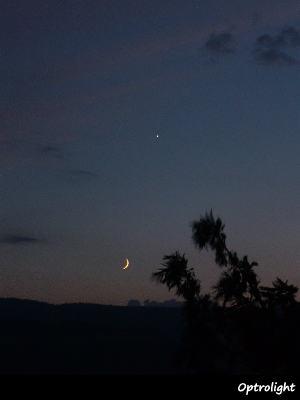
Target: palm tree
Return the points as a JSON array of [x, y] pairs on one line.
[[240, 283], [228, 288], [213, 331], [175, 274], [209, 233], [198, 344], [238, 287], [281, 294]]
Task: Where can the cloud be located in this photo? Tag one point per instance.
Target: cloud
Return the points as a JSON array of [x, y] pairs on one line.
[[218, 45], [79, 176], [51, 151], [268, 50], [288, 38], [15, 152], [133, 303], [273, 57], [151, 303], [16, 239], [166, 303]]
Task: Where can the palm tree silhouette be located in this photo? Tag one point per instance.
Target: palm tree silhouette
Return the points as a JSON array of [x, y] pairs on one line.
[[198, 342], [214, 333], [208, 233], [240, 283], [281, 294], [175, 274]]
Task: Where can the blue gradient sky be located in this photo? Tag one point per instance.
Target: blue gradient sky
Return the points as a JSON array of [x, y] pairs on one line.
[[86, 88]]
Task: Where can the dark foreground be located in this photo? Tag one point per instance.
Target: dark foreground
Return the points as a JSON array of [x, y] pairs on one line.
[[78, 339], [87, 339]]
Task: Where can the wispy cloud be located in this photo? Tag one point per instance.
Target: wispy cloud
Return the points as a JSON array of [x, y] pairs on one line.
[[271, 50], [17, 239], [289, 37], [218, 45], [51, 151], [17, 152], [79, 176], [272, 57]]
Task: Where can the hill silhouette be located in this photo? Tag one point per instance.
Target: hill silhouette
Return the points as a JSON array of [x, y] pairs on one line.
[[41, 338]]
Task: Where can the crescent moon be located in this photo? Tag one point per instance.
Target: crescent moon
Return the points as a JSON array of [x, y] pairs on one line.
[[126, 266]]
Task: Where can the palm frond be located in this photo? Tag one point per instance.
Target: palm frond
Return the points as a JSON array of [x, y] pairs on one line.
[[175, 274], [209, 233]]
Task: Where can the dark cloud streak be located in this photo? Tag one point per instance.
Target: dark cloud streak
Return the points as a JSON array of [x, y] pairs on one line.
[[268, 49], [219, 45], [16, 239], [273, 57], [52, 151], [288, 38]]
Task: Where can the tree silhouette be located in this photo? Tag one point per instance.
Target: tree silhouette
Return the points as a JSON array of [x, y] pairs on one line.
[[281, 294], [217, 338], [208, 233], [175, 274], [240, 283]]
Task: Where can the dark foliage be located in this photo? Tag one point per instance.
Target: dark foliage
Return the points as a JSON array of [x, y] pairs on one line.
[[255, 331]]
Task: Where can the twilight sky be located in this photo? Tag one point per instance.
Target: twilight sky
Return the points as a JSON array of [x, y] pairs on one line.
[[121, 121]]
